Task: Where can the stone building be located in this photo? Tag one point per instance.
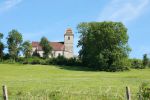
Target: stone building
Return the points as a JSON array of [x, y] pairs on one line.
[[58, 48]]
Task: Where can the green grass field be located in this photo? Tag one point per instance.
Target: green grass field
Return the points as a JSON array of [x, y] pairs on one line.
[[37, 82]]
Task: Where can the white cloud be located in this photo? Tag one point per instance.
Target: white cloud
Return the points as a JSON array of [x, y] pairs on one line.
[[8, 4], [123, 10]]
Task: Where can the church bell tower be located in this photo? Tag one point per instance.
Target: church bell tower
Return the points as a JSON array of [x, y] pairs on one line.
[[68, 42]]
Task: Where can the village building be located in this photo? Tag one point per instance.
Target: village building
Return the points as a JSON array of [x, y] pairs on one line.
[[58, 48]]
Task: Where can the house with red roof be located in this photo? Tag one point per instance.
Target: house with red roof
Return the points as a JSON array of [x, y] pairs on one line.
[[58, 48]]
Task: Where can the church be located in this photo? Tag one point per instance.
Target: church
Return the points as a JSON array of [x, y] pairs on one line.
[[64, 48]]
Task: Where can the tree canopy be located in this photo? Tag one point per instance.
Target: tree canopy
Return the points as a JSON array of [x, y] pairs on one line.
[[1, 46], [14, 41], [104, 45], [1, 36], [27, 49], [45, 47], [145, 60]]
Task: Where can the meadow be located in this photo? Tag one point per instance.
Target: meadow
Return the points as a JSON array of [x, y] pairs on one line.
[[43, 82]]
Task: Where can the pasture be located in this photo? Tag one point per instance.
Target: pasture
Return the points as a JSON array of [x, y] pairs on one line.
[[42, 82]]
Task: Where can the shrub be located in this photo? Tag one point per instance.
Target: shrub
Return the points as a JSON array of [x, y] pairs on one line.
[[6, 56], [61, 60], [121, 65], [137, 64], [9, 61], [73, 62], [144, 92], [32, 60], [35, 60]]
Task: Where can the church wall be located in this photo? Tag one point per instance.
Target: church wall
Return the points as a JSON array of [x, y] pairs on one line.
[[57, 53], [54, 53], [68, 54]]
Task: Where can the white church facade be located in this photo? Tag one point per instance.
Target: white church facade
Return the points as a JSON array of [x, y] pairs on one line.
[[58, 48]]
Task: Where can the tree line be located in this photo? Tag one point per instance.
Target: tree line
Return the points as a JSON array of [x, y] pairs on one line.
[[104, 47], [15, 45]]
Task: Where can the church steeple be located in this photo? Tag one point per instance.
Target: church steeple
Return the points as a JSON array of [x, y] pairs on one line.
[[68, 41]]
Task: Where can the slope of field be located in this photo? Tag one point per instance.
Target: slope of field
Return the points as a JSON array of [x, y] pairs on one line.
[[33, 82]]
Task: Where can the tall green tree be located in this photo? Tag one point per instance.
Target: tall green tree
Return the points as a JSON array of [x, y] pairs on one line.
[[27, 49], [45, 47], [145, 60], [104, 45], [1, 36], [14, 41], [1, 46]]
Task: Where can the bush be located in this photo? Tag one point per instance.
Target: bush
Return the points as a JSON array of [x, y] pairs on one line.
[[6, 56], [9, 61], [35, 60], [121, 65], [32, 60], [137, 64], [73, 62], [144, 92], [20, 59], [61, 60]]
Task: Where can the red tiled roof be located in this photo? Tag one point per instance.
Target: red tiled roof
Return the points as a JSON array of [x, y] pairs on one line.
[[57, 46], [69, 32]]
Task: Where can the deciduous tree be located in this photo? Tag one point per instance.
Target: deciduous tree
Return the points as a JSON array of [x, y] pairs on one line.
[[145, 60], [1, 46], [104, 45], [14, 41], [27, 49], [45, 47]]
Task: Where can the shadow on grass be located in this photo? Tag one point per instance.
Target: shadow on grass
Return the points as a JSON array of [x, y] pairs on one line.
[[75, 68]]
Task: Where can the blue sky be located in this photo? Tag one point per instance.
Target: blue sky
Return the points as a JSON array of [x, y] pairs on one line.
[[50, 18]]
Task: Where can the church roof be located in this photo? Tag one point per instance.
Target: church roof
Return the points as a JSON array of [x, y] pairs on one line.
[[57, 46]]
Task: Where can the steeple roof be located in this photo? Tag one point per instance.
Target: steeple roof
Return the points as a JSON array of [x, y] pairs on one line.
[[69, 31]]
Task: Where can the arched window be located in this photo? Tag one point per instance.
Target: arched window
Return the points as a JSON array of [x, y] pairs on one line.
[[68, 37]]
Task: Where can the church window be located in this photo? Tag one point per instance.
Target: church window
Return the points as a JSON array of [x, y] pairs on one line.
[[68, 38]]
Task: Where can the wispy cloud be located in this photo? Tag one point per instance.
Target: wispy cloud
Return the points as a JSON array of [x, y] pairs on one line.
[[8, 4], [123, 10]]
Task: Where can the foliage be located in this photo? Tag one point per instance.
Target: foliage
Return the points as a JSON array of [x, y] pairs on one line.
[[1, 36], [35, 60], [136, 63], [73, 62], [103, 45], [1, 50], [121, 65], [144, 92], [6, 56], [145, 60], [9, 61], [27, 49], [1, 47], [45, 47], [61, 60], [31, 60], [36, 54], [14, 41]]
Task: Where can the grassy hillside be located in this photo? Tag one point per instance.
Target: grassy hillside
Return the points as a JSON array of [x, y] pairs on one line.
[[29, 82]]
